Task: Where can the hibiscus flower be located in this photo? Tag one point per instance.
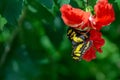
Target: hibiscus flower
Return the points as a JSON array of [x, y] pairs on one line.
[[79, 19], [82, 20]]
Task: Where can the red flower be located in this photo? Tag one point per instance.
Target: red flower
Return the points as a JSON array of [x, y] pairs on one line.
[[80, 19], [98, 42], [104, 14], [74, 17]]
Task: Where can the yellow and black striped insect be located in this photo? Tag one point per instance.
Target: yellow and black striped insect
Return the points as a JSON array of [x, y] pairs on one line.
[[79, 41]]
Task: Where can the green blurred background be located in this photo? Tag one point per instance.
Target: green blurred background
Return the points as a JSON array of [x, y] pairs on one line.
[[34, 45]]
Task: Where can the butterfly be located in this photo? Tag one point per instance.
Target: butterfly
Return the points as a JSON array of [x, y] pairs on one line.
[[80, 42]]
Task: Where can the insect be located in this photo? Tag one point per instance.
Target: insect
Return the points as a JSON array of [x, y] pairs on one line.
[[80, 42]]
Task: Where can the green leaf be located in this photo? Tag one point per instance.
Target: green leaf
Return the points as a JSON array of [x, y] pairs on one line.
[[92, 3], [3, 21], [5, 35], [80, 3], [39, 11], [118, 3], [11, 10], [46, 3], [48, 46], [61, 2]]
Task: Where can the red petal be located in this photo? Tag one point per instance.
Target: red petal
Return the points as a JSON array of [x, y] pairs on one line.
[[90, 54], [96, 37], [99, 50], [97, 26], [104, 13], [98, 44], [74, 17], [93, 24]]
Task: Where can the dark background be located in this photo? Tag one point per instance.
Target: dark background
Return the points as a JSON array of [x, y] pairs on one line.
[[34, 45]]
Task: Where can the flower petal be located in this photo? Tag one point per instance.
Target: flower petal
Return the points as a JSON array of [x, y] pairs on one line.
[[96, 37], [90, 54], [74, 17], [93, 23], [104, 13]]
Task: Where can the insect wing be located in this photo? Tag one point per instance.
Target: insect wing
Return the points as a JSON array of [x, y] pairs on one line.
[[80, 50]]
